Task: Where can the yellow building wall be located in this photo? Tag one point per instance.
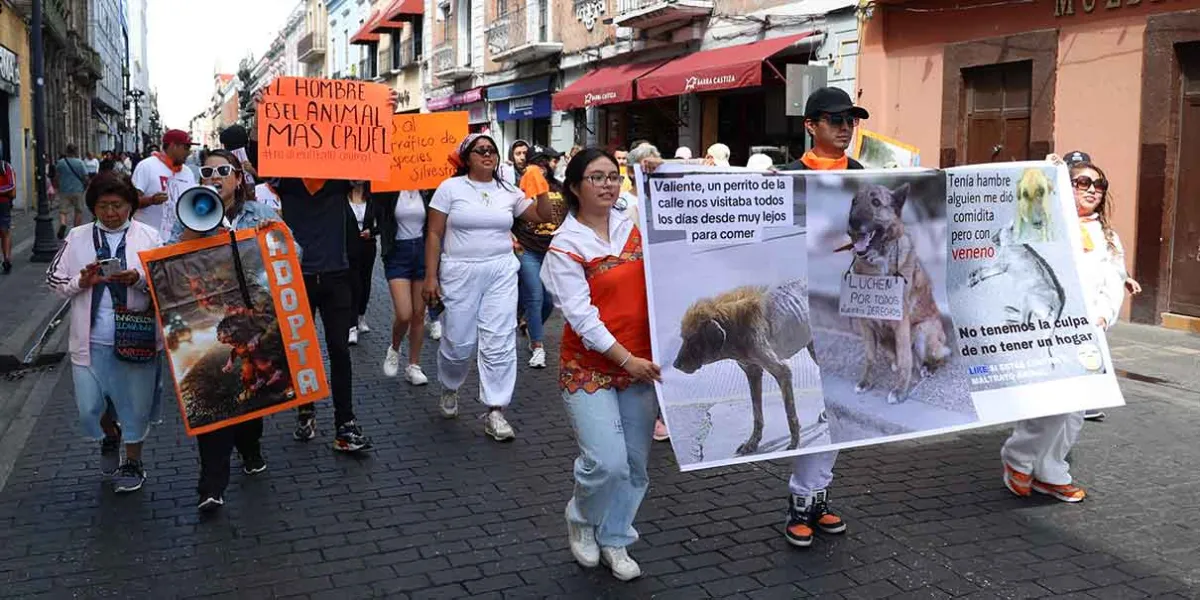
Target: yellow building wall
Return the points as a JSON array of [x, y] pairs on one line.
[[15, 37]]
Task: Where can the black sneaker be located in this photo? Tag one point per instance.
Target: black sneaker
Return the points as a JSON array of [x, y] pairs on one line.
[[824, 519], [306, 429], [130, 477], [7, 267], [209, 503], [253, 465], [110, 455], [799, 531], [350, 438]]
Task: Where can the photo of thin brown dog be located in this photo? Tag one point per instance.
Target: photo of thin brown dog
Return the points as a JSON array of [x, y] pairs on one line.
[[760, 328], [1035, 196], [883, 248]]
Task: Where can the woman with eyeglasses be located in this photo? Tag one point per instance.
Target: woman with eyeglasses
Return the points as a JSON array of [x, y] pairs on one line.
[[1035, 455], [595, 273], [470, 268], [223, 171], [99, 270]]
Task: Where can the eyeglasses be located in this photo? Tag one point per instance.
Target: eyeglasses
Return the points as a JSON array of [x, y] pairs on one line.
[[599, 179], [485, 151], [217, 171], [1083, 182], [839, 120]]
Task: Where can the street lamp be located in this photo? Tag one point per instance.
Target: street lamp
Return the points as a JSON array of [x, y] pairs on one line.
[[45, 244], [136, 95]]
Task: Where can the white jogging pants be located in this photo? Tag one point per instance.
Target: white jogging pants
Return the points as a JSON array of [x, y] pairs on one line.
[[1039, 447], [481, 313], [812, 472]]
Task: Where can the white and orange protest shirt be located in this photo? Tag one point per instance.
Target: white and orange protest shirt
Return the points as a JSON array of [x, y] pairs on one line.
[[153, 176]]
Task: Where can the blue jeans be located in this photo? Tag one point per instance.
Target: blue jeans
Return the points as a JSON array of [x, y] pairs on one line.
[[614, 430], [534, 299], [110, 384]]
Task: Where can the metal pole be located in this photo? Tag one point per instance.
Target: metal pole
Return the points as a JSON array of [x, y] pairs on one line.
[[45, 245]]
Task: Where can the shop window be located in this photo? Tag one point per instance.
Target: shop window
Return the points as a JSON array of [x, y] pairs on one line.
[[997, 112]]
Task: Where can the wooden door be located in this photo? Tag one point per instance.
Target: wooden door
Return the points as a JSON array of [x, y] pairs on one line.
[[1184, 296], [996, 119]]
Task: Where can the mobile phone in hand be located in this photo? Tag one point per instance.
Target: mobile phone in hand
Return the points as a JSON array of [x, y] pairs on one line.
[[110, 267]]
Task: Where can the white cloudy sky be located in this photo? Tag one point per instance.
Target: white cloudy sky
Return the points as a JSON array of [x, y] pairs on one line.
[[187, 41]]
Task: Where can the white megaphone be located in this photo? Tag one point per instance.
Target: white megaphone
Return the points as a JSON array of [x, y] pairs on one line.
[[200, 208]]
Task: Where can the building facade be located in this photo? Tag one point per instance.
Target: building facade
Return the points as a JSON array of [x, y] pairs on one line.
[[392, 42], [977, 82], [108, 36], [344, 57], [16, 105], [138, 94]]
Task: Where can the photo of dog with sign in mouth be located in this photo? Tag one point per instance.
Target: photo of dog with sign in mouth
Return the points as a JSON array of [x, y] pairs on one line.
[[882, 248], [881, 318]]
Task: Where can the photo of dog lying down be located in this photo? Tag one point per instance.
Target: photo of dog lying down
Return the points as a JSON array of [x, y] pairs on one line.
[[760, 328], [882, 247]]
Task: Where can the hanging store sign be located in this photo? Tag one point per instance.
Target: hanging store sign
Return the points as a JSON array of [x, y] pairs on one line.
[[10, 71], [528, 107]]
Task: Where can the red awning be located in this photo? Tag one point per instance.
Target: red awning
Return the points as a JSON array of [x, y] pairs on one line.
[[717, 69], [404, 10], [365, 35], [606, 85]]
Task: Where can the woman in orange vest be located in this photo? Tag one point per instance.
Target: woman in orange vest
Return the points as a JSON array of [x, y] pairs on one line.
[[595, 274]]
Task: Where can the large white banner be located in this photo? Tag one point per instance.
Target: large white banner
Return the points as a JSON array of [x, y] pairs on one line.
[[808, 311]]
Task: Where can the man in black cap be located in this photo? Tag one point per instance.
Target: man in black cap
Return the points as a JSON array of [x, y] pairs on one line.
[[830, 118]]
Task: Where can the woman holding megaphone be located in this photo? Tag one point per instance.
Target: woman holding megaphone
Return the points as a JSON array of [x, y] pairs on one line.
[[222, 172]]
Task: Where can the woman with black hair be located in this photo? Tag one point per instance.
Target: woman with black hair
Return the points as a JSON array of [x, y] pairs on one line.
[[223, 170], [594, 270], [99, 270], [361, 249], [401, 220], [534, 240], [471, 269]]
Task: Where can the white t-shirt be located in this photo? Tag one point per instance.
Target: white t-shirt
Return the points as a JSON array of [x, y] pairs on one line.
[[104, 326], [264, 194], [92, 165], [410, 215], [478, 217], [151, 177], [360, 213]]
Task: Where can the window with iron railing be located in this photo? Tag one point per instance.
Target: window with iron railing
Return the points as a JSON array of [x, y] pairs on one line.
[[515, 26]]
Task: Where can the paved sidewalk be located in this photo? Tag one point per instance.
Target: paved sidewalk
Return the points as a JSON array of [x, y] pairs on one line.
[[439, 511]]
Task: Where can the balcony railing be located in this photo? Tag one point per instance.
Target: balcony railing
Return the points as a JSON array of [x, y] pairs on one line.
[[660, 14], [519, 34], [446, 65], [311, 47]]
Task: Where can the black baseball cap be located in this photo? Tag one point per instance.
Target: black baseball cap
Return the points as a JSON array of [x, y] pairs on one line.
[[539, 151], [1075, 157], [234, 137], [831, 100]]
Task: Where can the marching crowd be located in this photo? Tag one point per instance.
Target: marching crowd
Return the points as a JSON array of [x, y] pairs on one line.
[[488, 254]]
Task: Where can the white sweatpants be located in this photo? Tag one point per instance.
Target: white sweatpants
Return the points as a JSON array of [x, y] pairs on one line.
[[481, 311], [812, 472], [1039, 447]]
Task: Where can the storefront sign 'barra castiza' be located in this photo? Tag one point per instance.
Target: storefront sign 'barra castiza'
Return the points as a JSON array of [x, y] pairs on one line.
[[1065, 8]]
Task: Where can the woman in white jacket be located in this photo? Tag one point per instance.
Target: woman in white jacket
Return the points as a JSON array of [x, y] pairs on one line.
[[1035, 455], [115, 397]]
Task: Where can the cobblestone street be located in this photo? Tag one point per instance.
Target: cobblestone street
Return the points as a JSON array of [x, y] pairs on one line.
[[439, 511]]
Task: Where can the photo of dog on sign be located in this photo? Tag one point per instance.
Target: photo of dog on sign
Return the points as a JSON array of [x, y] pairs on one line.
[[882, 328]]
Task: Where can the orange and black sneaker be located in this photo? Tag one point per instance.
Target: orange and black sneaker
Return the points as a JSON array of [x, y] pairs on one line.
[[799, 531], [1067, 493], [1017, 482], [826, 521]]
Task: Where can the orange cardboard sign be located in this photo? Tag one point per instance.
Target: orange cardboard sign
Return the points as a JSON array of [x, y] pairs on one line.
[[241, 345], [421, 149], [324, 129]]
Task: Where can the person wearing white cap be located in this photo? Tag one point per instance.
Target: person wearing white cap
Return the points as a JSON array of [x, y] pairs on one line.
[[470, 268], [683, 153]]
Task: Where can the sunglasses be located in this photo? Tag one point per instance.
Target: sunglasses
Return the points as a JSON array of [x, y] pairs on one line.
[[841, 119], [485, 151], [1083, 182], [217, 171]]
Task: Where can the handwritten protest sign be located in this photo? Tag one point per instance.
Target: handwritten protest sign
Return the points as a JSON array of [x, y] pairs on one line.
[[421, 146], [324, 128]]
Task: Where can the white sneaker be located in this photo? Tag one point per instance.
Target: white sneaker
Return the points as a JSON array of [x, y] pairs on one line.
[[353, 336], [498, 427], [435, 330], [538, 361], [622, 565], [583, 543], [362, 325], [415, 375], [391, 363], [449, 403]]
